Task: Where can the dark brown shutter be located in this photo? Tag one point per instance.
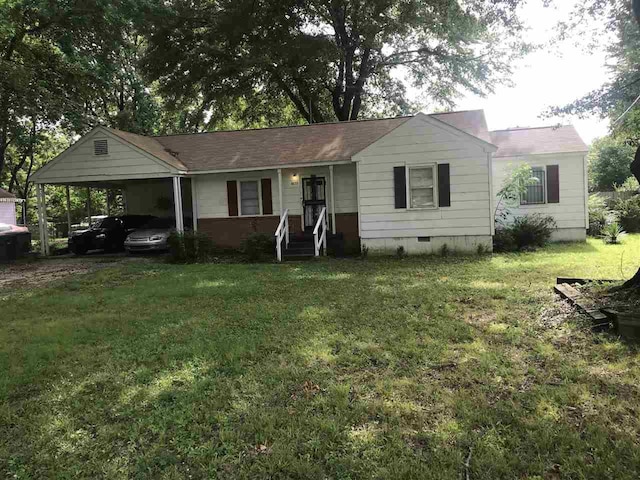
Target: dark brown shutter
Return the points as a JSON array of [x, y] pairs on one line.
[[267, 203], [553, 184], [232, 197], [400, 186], [444, 185]]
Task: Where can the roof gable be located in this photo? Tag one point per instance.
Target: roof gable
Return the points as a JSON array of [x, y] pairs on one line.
[[124, 159]]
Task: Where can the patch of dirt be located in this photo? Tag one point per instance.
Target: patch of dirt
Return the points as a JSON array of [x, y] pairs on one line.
[[42, 271]]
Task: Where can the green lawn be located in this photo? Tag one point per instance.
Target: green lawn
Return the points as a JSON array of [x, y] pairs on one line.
[[378, 368]]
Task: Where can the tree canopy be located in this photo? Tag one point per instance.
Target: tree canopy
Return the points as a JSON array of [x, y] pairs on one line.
[[174, 66], [620, 31], [609, 163], [330, 59]]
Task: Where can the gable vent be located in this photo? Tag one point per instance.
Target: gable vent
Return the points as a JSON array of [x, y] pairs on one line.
[[100, 147]]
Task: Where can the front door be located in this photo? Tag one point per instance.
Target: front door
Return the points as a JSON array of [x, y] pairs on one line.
[[313, 199]]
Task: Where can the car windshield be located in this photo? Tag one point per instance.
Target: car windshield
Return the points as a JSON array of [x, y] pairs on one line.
[[160, 223], [109, 222]]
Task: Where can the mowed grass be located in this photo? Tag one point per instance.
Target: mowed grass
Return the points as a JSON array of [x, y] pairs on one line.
[[379, 368]]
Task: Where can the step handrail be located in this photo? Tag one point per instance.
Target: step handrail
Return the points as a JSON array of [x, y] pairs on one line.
[[322, 239], [282, 232]]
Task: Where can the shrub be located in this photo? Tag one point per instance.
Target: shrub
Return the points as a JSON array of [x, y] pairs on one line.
[[364, 251], [613, 232], [400, 253], [189, 247], [629, 213], [631, 185], [444, 250], [526, 232], [258, 247], [503, 240], [597, 215]]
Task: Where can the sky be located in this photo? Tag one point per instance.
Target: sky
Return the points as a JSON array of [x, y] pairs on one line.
[[550, 77]]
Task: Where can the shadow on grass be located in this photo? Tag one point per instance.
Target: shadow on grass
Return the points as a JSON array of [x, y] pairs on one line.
[[380, 369]]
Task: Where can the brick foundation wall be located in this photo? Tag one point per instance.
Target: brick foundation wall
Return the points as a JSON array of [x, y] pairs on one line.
[[231, 231]]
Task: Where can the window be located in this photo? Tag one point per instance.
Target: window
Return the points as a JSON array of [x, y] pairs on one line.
[[100, 147], [249, 198], [422, 187], [535, 193]]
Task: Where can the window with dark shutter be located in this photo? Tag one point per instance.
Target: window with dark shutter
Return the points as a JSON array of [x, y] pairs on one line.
[[400, 186], [232, 198], [553, 184], [267, 202], [444, 185], [100, 147]]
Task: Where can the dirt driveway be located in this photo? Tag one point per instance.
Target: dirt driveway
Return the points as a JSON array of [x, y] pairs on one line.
[[41, 271]]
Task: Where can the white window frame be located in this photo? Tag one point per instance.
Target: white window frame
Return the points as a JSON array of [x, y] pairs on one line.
[[239, 194], [544, 189], [434, 167]]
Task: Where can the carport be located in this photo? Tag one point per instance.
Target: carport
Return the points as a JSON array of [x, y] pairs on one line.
[[151, 179]]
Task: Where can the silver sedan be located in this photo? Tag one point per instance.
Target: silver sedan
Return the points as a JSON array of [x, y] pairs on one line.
[[151, 237]]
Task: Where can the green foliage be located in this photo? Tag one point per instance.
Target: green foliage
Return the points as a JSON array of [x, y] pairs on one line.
[[328, 60], [525, 233], [610, 21], [609, 163], [598, 215], [190, 247], [628, 212], [630, 185], [259, 247], [513, 187], [613, 232]]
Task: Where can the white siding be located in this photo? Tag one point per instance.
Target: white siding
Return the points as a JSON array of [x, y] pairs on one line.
[[79, 164], [211, 189], [419, 143], [8, 213], [571, 212]]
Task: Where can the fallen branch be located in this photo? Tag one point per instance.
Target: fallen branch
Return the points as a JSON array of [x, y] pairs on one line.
[[467, 464]]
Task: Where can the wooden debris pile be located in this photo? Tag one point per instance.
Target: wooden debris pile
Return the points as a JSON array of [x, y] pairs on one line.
[[626, 324]]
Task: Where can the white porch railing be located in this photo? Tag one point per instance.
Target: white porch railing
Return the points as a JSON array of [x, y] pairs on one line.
[[282, 232], [320, 240]]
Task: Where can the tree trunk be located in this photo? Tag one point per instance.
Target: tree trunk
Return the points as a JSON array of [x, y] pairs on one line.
[[635, 169]]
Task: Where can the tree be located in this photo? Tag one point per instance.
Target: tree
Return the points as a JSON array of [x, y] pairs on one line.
[[330, 59], [609, 163], [616, 99], [513, 188]]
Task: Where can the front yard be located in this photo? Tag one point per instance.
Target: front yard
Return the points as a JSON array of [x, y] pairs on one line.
[[383, 368]]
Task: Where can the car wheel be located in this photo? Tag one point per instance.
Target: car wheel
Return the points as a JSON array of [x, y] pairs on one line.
[[79, 250]]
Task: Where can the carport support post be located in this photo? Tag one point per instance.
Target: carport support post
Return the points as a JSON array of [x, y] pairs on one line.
[[177, 202], [68, 195], [42, 220], [89, 204]]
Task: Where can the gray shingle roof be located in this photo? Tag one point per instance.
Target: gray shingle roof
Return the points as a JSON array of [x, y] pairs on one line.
[[5, 194], [535, 141]]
